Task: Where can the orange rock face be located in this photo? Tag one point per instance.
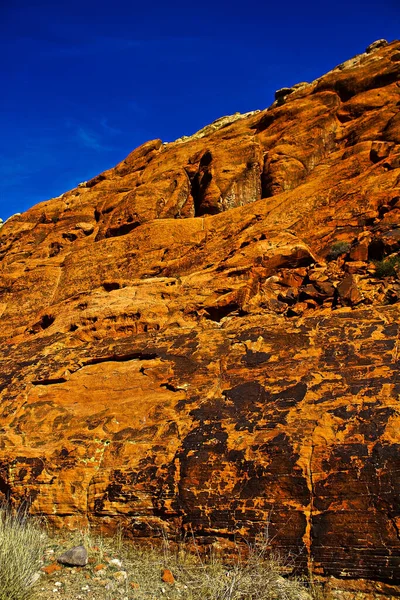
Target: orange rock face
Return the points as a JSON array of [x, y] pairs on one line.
[[196, 340]]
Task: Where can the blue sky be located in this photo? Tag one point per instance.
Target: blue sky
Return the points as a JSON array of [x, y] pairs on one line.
[[84, 82]]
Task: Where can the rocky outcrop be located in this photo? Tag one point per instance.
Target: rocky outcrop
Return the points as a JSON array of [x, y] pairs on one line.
[[199, 339]]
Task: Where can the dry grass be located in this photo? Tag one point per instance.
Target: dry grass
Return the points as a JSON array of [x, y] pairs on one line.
[[123, 569], [252, 573], [22, 543]]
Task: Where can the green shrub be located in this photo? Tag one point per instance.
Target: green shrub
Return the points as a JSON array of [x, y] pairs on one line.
[[337, 249], [22, 543], [387, 267]]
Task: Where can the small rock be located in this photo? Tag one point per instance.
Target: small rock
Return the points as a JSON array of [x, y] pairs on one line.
[[167, 577], [326, 288], [359, 252], [380, 150], [349, 292], [277, 306], [134, 585], [311, 303], [87, 228], [283, 92], [310, 292], [115, 562], [291, 278], [286, 91], [272, 279], [301, 85], [75, 557], [297, 310], [120, 576], [49, 569], [289, 296], [356, 266], [392, 295], [35, 577], [316, 275], [376, 45]]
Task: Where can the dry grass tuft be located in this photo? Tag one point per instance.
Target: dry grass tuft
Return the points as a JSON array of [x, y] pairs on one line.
[[122, 568], [252, 573], [22, 543]]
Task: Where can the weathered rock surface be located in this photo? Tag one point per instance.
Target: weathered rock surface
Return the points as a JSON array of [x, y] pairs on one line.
[[74, 557], [183, 345]]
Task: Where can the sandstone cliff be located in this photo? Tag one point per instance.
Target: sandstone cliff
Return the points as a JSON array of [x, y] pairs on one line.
[[198, 339]]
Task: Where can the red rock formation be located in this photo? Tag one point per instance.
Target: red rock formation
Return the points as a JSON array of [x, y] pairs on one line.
[[197, 340]]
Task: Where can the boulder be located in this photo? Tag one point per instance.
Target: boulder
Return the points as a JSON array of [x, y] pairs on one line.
[[74, 557], [376, 45], [348, 291]]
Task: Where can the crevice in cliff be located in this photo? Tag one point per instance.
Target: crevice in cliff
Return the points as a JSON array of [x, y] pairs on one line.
[[110, 286], [119, 230], [118, 358], [104, 445], [5, 489], [217, 313], [44, 323], [50, 381], [394, 524], [203, 189], [171, 388], [309, 514], [266, 120], [95, 361], [211, 535]]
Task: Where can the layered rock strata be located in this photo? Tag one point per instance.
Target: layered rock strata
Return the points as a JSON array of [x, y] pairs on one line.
[[205, 338]]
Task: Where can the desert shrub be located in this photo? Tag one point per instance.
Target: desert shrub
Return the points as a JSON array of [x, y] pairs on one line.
[[22, 543], [337, 249], [387, 267]]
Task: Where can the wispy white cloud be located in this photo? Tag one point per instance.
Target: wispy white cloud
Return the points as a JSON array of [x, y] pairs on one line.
[[91, 140], [109, 129]]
